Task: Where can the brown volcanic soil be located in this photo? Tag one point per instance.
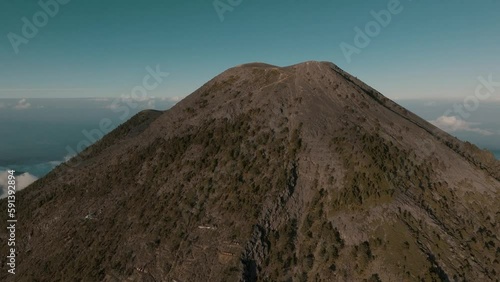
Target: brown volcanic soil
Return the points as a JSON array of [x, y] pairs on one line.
[[301, 173]]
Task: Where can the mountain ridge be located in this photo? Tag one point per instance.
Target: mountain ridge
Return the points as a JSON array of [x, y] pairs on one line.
[[268, 173]]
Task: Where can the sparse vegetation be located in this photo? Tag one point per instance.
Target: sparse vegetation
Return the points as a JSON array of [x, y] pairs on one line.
[[270, 175]]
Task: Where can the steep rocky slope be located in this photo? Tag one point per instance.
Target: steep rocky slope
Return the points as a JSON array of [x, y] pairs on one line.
[[301, 173]]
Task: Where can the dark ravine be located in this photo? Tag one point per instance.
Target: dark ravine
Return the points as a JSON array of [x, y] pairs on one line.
[[266, 173]]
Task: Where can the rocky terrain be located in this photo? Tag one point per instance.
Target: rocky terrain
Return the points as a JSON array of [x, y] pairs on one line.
[[265, 173]]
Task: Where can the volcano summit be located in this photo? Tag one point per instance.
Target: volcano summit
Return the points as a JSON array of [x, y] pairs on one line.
[[265, 173]]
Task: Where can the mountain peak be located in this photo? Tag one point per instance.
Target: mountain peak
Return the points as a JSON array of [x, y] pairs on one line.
[[267, 173]]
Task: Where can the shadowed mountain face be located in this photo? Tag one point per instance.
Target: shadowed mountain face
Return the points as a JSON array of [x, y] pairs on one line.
[[270, 174]]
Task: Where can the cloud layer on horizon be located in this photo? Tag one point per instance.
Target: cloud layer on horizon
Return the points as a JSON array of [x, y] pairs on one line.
[[22, 104], [22, 181], [453, 124]]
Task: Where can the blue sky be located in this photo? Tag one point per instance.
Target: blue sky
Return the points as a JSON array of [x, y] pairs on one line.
[[91, 48], [428, 57]]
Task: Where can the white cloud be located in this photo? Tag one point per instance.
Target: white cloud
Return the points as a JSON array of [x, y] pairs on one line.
[[22, 104], [22, 181], [151, 104], [130, 102], [99, 99], [453, 123], [172, 99], [113, 106]]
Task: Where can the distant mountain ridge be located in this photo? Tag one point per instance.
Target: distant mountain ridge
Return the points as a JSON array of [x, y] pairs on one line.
[[266, 173]]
